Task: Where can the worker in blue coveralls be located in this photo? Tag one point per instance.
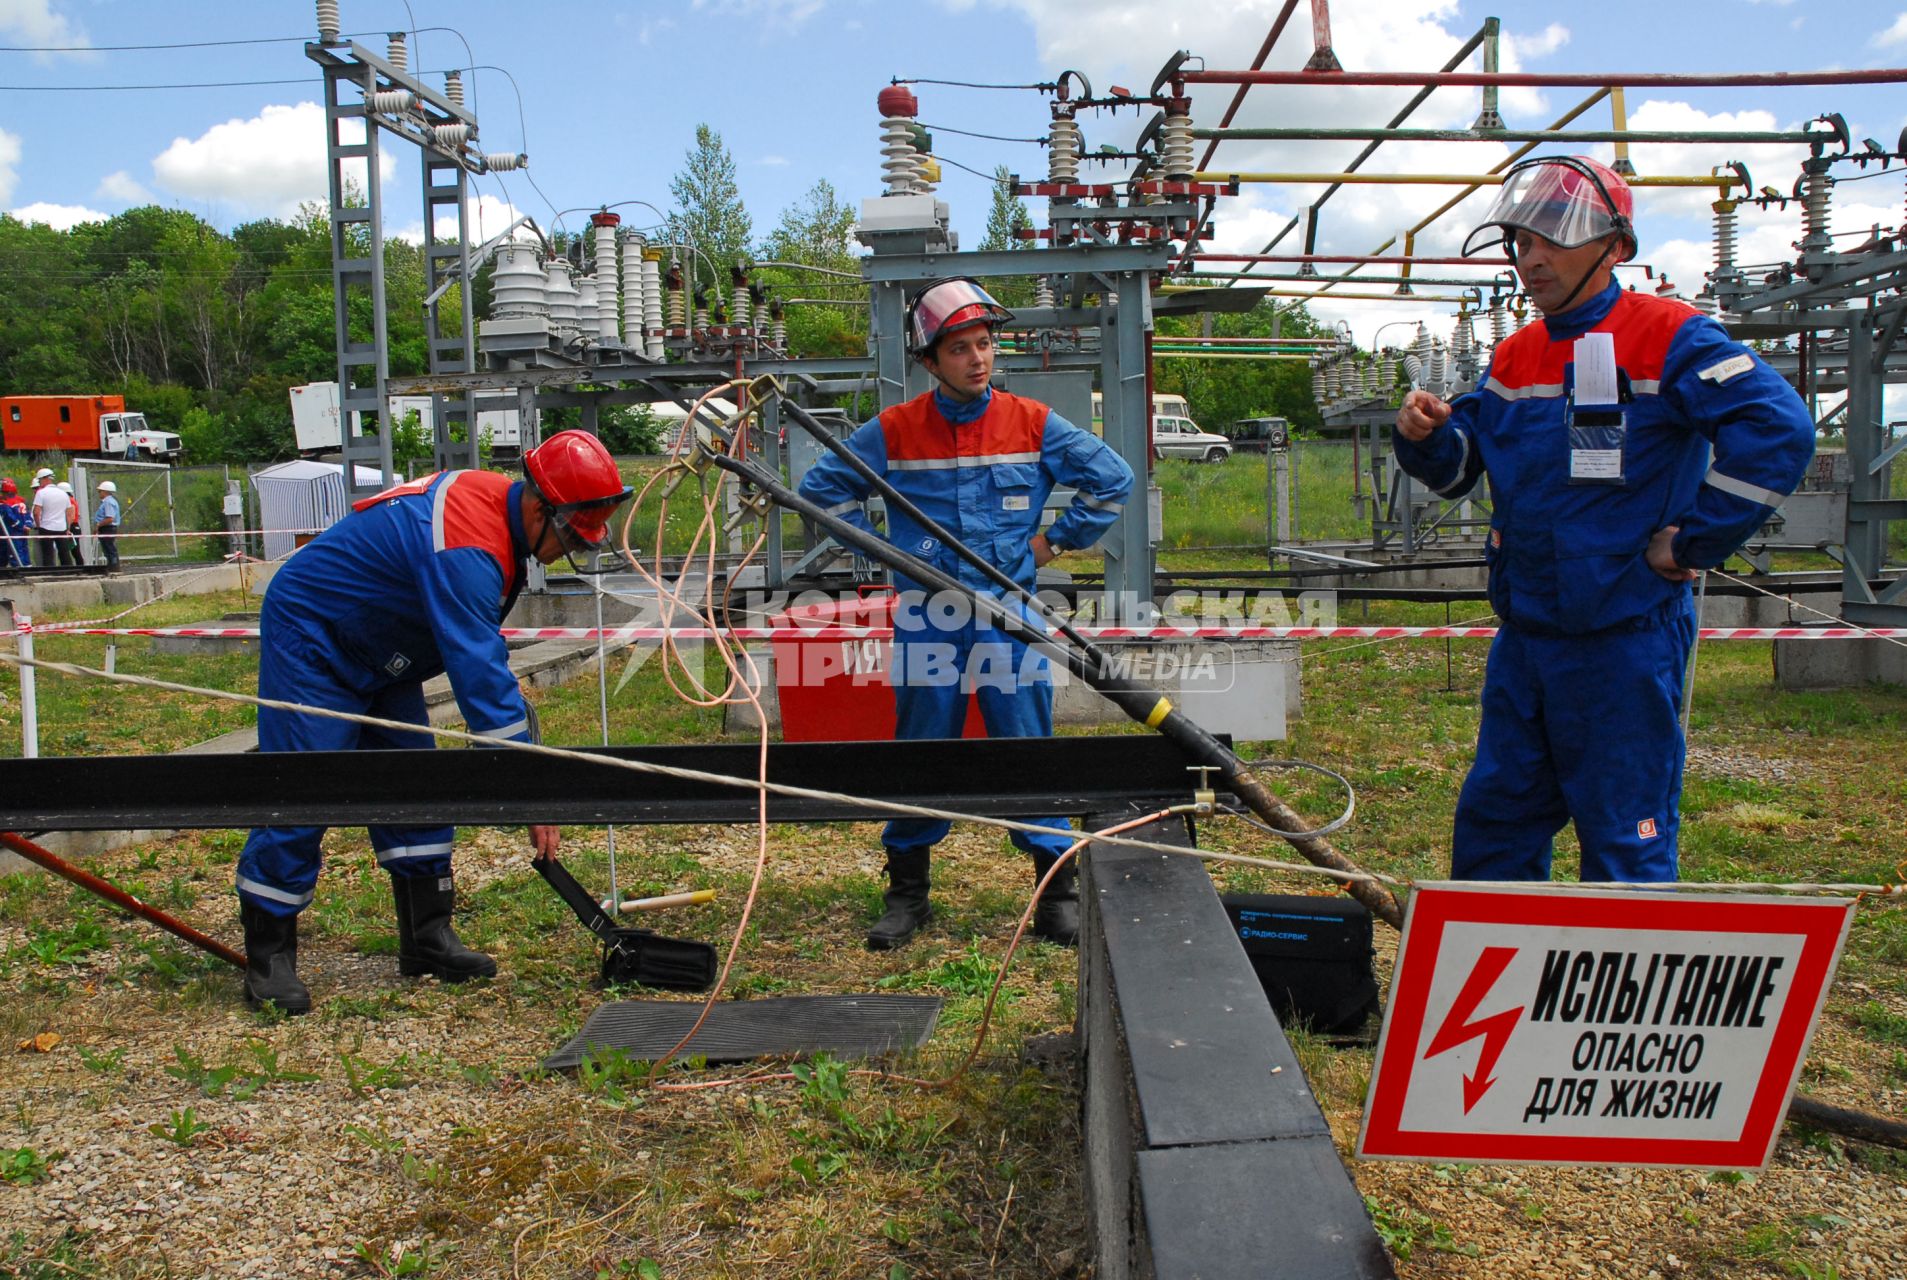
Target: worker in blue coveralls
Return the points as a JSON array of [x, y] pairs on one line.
[[16, 527], [1629, 442], [981, 463], [414, 582]]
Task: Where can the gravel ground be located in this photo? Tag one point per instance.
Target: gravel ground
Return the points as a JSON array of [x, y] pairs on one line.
[[286, 1181]]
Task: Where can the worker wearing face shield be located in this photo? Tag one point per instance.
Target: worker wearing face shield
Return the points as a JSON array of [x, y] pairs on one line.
[[1629, 442], [980, 463], [415, 582]]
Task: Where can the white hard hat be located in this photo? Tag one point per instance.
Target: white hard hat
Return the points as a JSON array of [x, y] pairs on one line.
[[64, 485], [107, 486], [44, 473]]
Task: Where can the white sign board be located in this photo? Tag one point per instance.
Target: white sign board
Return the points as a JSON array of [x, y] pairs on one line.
[[1531, 1025]]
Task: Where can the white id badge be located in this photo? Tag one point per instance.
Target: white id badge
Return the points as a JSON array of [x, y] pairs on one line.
[[1598, 427]]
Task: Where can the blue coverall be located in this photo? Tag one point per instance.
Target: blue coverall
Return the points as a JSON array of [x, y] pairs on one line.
[[415, 582], [1583, 691], [982, 470], [16, 532]]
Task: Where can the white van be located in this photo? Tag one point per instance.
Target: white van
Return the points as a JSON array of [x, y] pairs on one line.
[[1163, 406]]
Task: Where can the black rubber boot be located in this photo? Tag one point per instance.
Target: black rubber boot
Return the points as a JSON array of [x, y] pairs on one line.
[[271, 960], [905, 899], [1056, 918], [425, 941]]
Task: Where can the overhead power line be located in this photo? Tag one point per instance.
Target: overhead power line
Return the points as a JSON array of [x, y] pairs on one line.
[[187, 44], [121, 88]]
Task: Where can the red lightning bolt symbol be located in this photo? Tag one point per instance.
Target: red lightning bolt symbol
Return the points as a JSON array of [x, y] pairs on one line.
[[1458, 1029]]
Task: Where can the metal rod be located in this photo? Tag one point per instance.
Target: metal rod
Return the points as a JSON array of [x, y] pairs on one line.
[[1296, 277], [1723, 181], [1538, 80], [1264, 51], [1254, 134], [1352, 257], [1144, 705], [119, 897]]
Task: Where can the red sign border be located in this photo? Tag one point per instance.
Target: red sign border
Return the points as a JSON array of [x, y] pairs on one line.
[[1435, 906]]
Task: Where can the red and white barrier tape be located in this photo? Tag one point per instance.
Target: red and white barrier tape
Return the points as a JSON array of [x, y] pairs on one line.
[[1093, 633]]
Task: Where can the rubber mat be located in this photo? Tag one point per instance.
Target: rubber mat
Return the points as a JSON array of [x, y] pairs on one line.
[[738, 1030]]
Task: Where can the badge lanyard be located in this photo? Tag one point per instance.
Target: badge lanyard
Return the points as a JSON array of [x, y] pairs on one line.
[[1597, 423]]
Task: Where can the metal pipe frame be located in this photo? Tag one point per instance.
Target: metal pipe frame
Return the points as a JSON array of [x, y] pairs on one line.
[[1361, 258], [1552, 79], [1747, 137], [992, 777], [1718, 180]]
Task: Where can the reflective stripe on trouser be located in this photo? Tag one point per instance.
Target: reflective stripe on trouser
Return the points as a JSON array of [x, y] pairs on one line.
[[279, 866], [1582, 728], [933, 673]]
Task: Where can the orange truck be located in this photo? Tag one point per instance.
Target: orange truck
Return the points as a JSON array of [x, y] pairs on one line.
[[83, 424]]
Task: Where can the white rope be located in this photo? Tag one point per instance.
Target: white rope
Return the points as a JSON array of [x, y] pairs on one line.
[[673, 771], [922, 811], [1793, 603]]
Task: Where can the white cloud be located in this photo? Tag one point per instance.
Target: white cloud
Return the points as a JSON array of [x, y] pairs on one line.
[[60, 217], [34, 23], [773, 162], [770, 15], [1896, 34], [269, 164], [120, 185], [9, 159], [487, 215]]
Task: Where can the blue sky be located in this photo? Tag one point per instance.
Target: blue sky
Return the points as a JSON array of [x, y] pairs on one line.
[[612, 93]]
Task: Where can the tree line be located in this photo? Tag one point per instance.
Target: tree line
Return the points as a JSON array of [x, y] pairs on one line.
[[205, 330]]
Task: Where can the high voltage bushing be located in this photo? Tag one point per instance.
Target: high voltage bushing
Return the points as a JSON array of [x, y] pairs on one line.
[[899, 169], [738, 308], [652, 302], [517, 288], [454, 87], [1175, 141], [607, 312], [1062, 145], [1499, 321], [559, 285], [398, 53], [329, 25], [1816, 214], [634, 328]]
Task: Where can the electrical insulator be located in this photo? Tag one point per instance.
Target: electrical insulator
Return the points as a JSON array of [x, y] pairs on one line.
[[898, 106], [701, 310], [398, 56], [1816, 190], [587, 307], [1042, 291], [559, 286], [652, 301], [450, 137], [328, 24], [1438, 367], [391, 102], [1726, 219], [504, 161], [454, 87], [603, 321], [517, 287], [632, 300], [1062, 146], [1175, 140], [1499, 321], [678, 299], [738, 295], [1317, 383], [780, 334]]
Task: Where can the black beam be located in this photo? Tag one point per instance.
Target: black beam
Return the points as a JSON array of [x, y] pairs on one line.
[[1006, 777]]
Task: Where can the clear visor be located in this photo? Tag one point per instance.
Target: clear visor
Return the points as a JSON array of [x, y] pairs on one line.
[[935, 307], [1554, 201]]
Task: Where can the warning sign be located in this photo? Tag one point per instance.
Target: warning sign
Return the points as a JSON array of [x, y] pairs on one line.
[[1633, 1028]]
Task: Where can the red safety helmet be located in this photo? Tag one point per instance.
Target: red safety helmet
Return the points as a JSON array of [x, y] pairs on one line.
[[8, 487], [1567, 200], [577, 481], [946, 306]]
